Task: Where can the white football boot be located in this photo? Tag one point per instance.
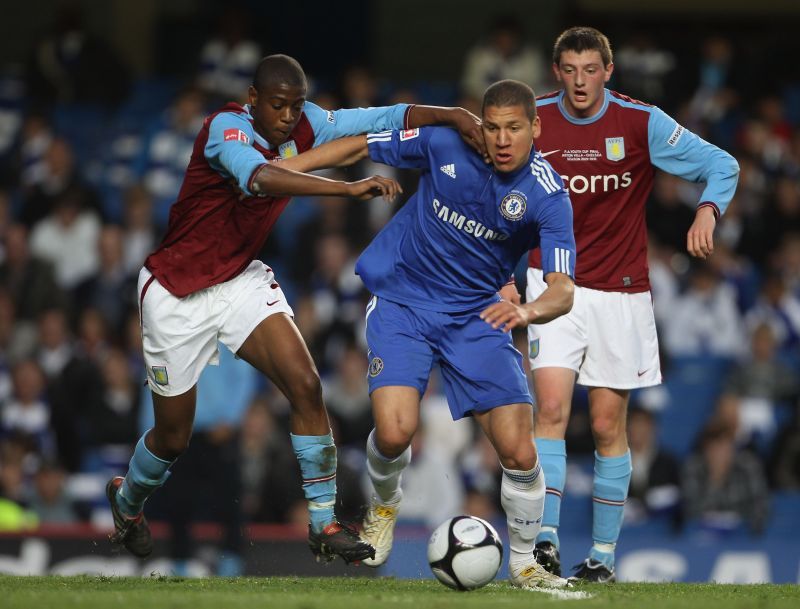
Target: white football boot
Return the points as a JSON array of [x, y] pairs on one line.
[[530, 574], [378, 530]]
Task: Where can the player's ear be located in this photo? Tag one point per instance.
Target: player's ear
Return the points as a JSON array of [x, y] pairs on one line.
[[556, 72], [252, 94], [609, 71], [536, 127]]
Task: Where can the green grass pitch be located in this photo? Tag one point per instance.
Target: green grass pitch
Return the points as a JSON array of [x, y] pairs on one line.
[[368, 593]]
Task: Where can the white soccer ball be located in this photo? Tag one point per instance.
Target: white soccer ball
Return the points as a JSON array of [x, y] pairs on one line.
[[465, 553]]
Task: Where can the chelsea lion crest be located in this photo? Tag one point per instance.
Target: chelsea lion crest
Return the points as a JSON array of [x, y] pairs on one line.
[[513, 206]]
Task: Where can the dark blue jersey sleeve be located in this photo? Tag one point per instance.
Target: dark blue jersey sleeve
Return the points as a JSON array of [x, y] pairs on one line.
[[556, 236], [405, 149]]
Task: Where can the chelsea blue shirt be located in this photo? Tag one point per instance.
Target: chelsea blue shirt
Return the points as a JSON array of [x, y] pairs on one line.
[[456, 241]]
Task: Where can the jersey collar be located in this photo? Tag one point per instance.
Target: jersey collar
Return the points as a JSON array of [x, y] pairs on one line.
[[583, 121], [261, 141]]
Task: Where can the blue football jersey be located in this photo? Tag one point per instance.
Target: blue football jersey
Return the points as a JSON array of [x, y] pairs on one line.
[[459, 237]]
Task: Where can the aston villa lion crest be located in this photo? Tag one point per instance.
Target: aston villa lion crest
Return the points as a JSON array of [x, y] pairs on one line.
[[615, 148]]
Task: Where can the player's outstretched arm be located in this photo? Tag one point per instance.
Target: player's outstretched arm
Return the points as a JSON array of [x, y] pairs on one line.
[[272, 180], [463, 121], [338, 153], [700, 238], [555, 301]]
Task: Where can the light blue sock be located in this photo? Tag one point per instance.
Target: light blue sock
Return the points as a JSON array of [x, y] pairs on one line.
[[317, 458], [612, 476], [146, 473], [553, 457]]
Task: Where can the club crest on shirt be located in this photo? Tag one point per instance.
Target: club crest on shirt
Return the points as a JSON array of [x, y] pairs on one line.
[[513, 205], [615, 148], [533, 349], [375, 366], [160, 375], [288, 149]]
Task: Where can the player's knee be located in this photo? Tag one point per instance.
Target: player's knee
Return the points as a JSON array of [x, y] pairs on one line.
[[306, 390], [392, 442], [607, 429], [521, 458], [549, 412]]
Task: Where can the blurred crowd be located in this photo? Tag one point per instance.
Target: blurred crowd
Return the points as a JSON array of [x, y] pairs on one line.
[[91, 159]]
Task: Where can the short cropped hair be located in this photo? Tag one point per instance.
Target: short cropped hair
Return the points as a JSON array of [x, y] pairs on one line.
[[506, 93], [580, 39], [278, 70]]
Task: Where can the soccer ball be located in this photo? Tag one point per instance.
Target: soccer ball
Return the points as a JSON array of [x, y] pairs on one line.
[[465, 553]]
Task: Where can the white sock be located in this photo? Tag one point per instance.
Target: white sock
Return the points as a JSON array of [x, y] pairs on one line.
[[522, 498], [386, 473]]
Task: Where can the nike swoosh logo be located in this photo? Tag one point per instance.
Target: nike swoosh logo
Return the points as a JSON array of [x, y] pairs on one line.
[[269, 304], [642, 372], [548, 153]]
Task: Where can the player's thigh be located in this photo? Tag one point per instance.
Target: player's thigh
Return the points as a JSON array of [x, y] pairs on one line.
[[179, 335], [399, 350], [481, 368], [510, 430], [623, 344], [396, 413], [562, 342]]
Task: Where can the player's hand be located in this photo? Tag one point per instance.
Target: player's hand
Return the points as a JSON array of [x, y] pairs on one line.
[[469, 126], [700, 238], [505, 315], [509, 292], [375, 186]]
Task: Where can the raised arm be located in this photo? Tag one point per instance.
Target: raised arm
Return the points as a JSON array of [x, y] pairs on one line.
[[463, 121], [272, 180], [338, 153]]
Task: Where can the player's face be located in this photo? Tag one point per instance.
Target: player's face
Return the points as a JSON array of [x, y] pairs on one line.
[[509, 136], [276, 110], [584, 77]]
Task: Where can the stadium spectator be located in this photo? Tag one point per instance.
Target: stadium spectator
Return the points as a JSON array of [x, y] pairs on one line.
[[643, 68], [139, 230], [59, 178], [55, 347], [705, 319], [655, 479], [229, 58], [29, 280], [607, 148], [779, 308], [111, 290], [724, 489], [67, 239], [48, 498], [166, 151], [504, 54], [763, 384], [347, 397], [26, 414]]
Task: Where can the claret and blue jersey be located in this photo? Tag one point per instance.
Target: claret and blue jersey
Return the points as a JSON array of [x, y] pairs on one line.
[[458, 239], [213, 235]]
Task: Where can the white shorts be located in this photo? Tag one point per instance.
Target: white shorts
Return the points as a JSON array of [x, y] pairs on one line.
[[609, 338], [181, 335]]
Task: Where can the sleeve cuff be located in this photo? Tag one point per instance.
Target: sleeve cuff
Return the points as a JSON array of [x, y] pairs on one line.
[[713, 206], [406, 116], [250, 181]]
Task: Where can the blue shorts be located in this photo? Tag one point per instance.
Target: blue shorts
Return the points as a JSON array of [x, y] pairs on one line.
[[480, 367]]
